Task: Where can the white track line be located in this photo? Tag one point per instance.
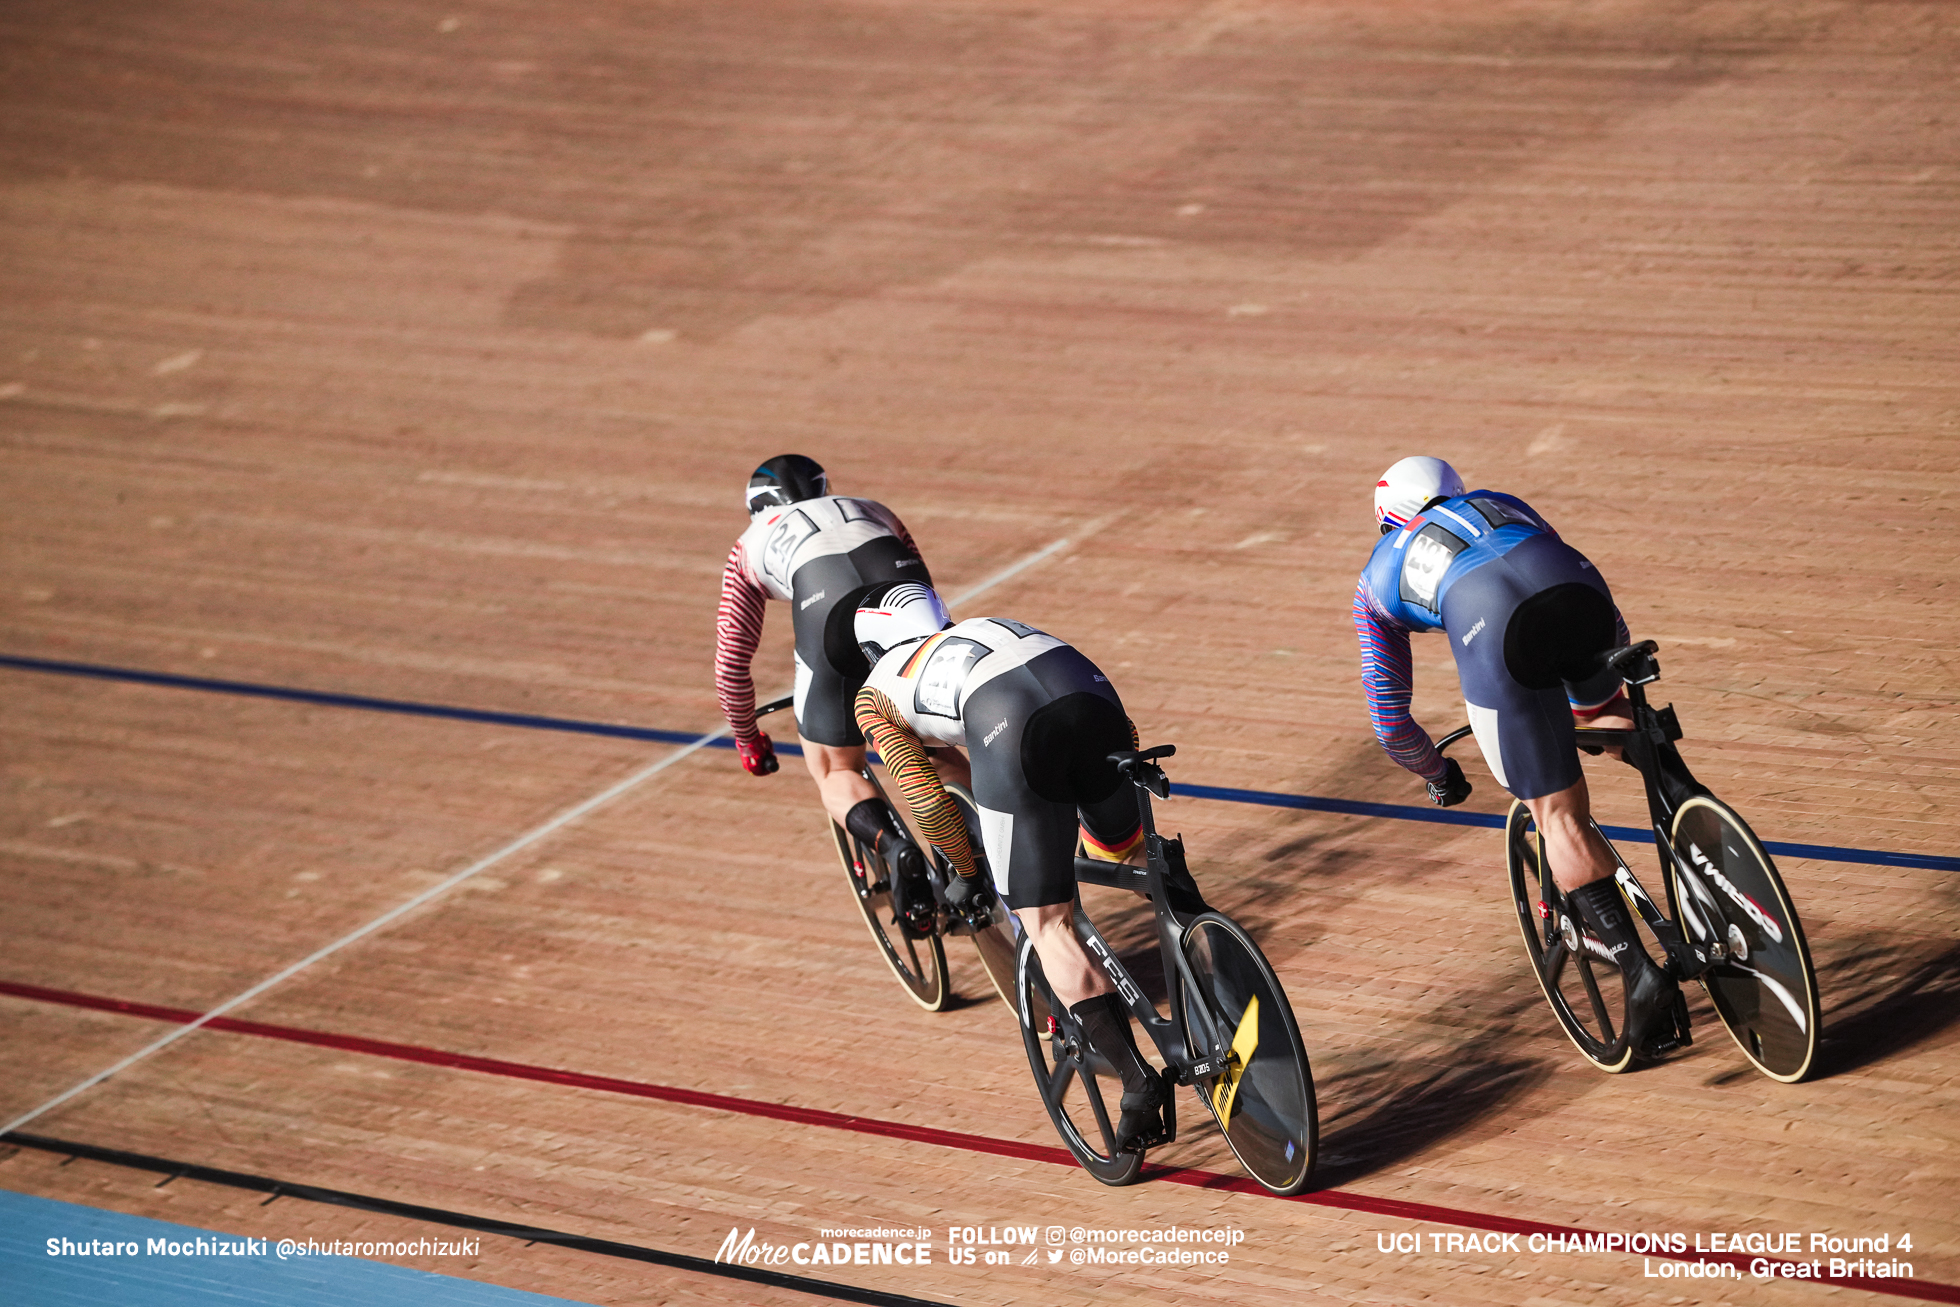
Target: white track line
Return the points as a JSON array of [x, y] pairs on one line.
[[524, 841], [1007, 573]]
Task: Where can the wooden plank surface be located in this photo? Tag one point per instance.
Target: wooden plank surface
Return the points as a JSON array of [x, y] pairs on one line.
[[419, 353]]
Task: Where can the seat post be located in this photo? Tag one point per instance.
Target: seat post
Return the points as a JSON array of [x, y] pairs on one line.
[[1144, 819]]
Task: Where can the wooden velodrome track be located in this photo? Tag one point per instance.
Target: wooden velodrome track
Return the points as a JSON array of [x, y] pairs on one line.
[[420, 352]]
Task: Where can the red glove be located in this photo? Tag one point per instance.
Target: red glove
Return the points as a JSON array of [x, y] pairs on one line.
[[758, 755]]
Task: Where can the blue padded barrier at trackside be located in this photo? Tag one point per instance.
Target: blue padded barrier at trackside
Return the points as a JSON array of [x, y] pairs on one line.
[[30, 1276]]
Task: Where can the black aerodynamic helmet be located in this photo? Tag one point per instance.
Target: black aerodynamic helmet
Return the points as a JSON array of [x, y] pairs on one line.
[[785, 479]]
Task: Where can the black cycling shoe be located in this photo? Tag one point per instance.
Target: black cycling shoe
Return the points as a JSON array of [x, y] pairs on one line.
[[1657, 1012], [912, 905], [1142, 1125]]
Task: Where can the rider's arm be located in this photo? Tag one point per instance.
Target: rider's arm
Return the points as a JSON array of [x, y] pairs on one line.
[[906, 762], [738, 630], [1388, 675]]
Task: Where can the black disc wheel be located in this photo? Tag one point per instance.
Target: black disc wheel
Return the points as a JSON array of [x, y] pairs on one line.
[[919, 964], [996, 941], [1264, 1103], [1081, 1091], [1586, 988], [1765, 988]]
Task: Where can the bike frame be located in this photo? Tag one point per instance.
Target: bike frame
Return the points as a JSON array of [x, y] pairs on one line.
[[1649, 746], [1166, 880], [1174, 896]]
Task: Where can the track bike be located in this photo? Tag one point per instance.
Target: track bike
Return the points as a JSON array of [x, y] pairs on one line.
[[915, 950], [1230, 1033], [1729, 922]]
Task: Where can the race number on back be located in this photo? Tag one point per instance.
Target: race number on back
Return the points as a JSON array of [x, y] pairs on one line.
[[785, 538], [1424, 560], [944, 675]]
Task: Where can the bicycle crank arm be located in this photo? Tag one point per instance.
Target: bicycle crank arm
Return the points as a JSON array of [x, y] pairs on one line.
[[1204, 1069], [1687, 960], [1226, 1065]]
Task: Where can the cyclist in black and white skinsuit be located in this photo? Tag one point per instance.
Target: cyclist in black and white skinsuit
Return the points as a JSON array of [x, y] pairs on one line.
[[1038, 721], [820, 552]]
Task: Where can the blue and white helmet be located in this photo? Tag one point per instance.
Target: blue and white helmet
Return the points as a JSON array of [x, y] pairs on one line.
[[896, 613], [1409, 486]]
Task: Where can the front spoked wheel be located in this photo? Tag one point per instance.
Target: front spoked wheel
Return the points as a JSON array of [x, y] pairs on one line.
[[919, 964], [996, 943], [1081, 1091], [1765, 988], [1587, 991], [1265, 1101]]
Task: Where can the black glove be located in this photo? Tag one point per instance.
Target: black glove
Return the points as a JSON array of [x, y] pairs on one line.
[[1452, 789], [967, 893]]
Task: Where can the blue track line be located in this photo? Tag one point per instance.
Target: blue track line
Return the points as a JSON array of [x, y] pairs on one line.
[[329, 700], [1224, 794], [1405, 812]]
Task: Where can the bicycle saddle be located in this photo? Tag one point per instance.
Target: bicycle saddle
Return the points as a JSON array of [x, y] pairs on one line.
[[1634, 662], [1141, 769]]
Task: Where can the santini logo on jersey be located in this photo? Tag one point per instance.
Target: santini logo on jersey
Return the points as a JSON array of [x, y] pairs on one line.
[[1742, 900], [820, 594], [988, 738], [1471, 634]]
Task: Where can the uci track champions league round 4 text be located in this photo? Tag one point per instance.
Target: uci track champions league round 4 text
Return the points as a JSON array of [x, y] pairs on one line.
[[1781, 1254]]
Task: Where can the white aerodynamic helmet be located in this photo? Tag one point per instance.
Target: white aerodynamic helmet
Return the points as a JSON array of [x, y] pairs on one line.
[[1406, 489], [896, 613]]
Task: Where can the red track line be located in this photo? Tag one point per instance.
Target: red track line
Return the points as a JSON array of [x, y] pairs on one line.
[[1924, 1290]]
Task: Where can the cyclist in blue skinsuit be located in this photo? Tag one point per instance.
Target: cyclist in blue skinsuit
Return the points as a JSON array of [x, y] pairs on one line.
[[1527, 616]]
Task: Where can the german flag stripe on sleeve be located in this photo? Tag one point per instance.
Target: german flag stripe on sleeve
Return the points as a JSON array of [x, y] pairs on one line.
[[918, 781]]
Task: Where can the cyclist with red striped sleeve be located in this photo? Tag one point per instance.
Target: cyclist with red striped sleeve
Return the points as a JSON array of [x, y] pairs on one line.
[[1527, 616], [820, 552], [1038, 721]]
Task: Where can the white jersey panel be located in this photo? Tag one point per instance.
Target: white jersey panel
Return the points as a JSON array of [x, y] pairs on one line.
[[930, 683], [783, 539]]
